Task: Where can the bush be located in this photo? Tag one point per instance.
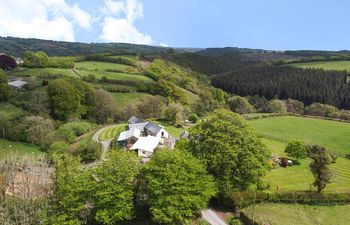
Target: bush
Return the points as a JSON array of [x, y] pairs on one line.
[[246, 198], [89, 151], [58, 147], [235, 221], [193, 118], [276, 106], [240, 105]]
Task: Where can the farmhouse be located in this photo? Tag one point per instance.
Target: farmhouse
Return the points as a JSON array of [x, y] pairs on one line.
[[144, 137]]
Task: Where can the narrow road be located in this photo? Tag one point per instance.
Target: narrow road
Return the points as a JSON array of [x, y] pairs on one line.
[[105, 145], [210, 217]]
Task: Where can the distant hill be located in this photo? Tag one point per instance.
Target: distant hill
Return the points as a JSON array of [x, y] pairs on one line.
[[17, 46]]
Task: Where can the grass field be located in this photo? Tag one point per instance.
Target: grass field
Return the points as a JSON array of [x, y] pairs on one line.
[[192, 98], [294, 214], [299, 177], [10, 110], [111, 132], [331, 134], [44, 71], [326, 65], [115, 76], [7, 147], [94, 66], [124, 99]]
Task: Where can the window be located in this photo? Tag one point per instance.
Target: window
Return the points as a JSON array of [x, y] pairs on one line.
[[144, 152], [162, 133]]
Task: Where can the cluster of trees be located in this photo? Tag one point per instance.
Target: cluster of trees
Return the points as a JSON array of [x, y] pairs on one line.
[[250, 104], [320, 164], [283, 82], [41, 60], [121, 189]]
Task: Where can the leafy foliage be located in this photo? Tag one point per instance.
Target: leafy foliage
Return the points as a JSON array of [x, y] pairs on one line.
[[230, 150], [178, 186], [71, 98], [114, 190], [320, 166], [240, 105], [296, 149], [72, 192], [5, 90]]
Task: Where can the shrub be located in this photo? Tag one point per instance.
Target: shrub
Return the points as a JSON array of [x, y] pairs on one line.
[[89, 151], [193, 118], [276, 106], [240, 105]]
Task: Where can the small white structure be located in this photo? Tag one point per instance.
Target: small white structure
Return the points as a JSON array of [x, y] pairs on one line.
[[17, 84], [145, 146]]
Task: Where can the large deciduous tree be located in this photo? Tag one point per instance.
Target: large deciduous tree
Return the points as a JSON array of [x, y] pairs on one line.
[[72, 197], [321, 159], [230, 150], [178, 186], [105, 106], [5, 90], [114, 189], [240, 105], [71, 98], [297, 150]]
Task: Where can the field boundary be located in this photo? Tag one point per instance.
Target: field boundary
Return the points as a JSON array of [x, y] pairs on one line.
[[295, 115]]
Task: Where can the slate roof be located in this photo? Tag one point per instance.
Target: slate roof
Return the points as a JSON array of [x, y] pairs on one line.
[[125, 135], [140, 126], [134, 120], [153, 128]]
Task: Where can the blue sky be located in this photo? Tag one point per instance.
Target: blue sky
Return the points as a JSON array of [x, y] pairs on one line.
[[266, 24]]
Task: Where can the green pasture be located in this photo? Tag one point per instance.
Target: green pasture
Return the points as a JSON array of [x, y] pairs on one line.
[[47, 72], [326, 65], [10, 110], [8, 147], [115, 76], [331, 134], [299, 177], [112, 131], [103, 66], [296, 214], [124, 99]]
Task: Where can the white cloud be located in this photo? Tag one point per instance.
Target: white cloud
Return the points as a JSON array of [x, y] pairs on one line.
[[121, 30], [118, 23], [46, 19]]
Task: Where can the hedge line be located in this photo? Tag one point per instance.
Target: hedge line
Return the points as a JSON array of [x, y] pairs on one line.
[[246, 198], [296, 115]]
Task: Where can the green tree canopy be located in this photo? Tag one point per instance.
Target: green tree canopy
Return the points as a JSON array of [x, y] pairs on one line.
[[297, 150], [72, 198], [240, 105], [230, 150], [5, 90], [321, 160], [178, 186], [71, 98], [114, 189], [35, 59]]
